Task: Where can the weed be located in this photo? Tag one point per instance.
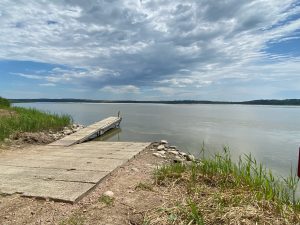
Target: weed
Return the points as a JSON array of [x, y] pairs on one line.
[[73, 220], [144, 186], [240, 182], [194, 213], [248, 172], [169, 171], [106, 200]]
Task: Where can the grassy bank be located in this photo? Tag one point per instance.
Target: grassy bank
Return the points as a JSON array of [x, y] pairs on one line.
[[17, 119], [216, 190]]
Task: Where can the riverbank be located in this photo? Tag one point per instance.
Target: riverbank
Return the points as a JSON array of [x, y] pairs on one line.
[[159, 186], [15, 121], [22, 140]]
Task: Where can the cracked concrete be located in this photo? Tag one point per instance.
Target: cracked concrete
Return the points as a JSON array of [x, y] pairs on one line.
[[63, 173]]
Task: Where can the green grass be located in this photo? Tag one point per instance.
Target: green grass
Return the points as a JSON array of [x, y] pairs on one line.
[[172, 171], [4, 103], [30, 120], [144, 186], [248, 172], [238, 182], [106, 200], [73, 220]]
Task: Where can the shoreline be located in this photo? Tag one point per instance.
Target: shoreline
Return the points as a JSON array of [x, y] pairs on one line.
[[21, 140], [137, 193], [287, 102]]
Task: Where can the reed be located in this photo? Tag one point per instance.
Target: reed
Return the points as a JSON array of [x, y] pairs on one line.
[[248, 172], [30, 120], [232, 184]]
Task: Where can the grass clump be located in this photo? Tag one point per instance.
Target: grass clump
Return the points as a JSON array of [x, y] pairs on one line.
[[107, 200], [73, 220], [173, 171], [144, 186], [216, 190], [29, 120], [248, 172]]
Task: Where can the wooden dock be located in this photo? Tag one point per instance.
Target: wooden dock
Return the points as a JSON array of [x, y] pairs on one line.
[[89, 132], [63, 171]]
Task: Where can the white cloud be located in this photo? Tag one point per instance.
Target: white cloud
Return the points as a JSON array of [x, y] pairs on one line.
[[133, 44], [48, 85], [121, 89], [165, 90]]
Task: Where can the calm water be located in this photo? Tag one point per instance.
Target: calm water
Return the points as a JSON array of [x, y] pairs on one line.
[[270, 133]]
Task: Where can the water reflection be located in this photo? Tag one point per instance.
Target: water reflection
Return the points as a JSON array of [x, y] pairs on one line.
[[109, 134]]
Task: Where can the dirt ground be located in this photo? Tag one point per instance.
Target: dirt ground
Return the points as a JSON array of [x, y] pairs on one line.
[[128, 207]]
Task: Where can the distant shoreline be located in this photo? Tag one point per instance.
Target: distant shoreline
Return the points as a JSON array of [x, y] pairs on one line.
[[292, 102]]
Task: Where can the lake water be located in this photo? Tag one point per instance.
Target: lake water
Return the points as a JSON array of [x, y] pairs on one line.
[[270, 133]]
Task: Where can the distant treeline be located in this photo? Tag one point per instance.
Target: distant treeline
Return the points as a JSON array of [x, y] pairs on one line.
[[253, 102]]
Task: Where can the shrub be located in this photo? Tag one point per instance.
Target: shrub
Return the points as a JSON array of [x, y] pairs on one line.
[[4, 102]]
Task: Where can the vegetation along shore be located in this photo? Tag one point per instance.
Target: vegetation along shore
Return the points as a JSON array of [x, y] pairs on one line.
[[252, 102], [20, 125]]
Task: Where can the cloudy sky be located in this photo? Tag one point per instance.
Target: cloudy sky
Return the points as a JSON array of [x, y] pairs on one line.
[[150, 49]]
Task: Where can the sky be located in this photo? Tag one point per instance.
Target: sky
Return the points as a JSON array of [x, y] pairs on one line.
[[228, 50]]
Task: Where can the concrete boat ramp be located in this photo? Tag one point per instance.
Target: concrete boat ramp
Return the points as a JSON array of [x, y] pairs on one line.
[[65, 171]]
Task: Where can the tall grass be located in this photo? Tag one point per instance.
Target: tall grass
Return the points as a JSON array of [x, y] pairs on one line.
[[219, 171], [4, 102], [248, 172], [31, 120]]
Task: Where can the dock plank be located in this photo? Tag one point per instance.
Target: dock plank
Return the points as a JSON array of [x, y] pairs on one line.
[[88, 132]]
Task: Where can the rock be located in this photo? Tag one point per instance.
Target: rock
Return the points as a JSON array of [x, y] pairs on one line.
[[182, 154], [136, 219], [163, 142], [68, 132], [155, 144], [108, 194], [190, 157], [161, 147], [173, 147], [177, 159], [174, 152], [135, 169], [162, 152], [158, 155]]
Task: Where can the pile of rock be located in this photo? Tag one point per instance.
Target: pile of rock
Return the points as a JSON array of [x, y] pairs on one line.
[[66, 131], [41, 137], [164, 150]]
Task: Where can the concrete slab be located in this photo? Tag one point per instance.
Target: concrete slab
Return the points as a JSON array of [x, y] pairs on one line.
[[63, 173], [13, 172]]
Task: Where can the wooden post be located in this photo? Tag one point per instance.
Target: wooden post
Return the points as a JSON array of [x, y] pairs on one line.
[[299, 163]]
